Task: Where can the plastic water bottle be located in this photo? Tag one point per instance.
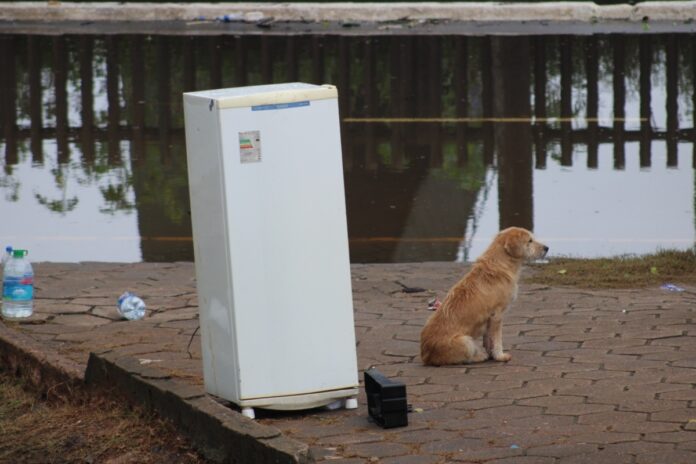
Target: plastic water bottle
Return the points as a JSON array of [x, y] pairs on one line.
[[6, 257], [131, 306], [17, 287]]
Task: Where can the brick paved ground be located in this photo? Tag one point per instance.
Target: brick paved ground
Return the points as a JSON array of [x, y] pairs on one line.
[[596, 376]]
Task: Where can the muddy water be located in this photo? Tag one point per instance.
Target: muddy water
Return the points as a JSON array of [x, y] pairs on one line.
[[587, 140]]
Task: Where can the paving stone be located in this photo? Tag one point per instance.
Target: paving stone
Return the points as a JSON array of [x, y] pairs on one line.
[[563, 450], [351, 439], [578, 409], [551, 401], [452, 446], [671, 457], [684, 394], [419, 459], [674, 415], [650, 406], [671, 437], [408, 437], [59, 307], [378, 450], [524, 460], [595, 374], [79, 320], [640, 448], [604, 437], [485, 454], [547, 346], [599, 457], [483, 403]]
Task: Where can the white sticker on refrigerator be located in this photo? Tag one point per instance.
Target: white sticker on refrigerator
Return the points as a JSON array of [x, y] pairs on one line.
[[250, 147]]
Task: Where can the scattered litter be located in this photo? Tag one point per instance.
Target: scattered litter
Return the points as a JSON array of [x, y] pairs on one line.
[[646, 25], [148, 361], [514, 447], [407, 289], [418, 410], [232, 17], [671, 288], [434, 304], [264, 22], [563, 271], [251, 17], [653, 270], [131, 306], [623, 311]]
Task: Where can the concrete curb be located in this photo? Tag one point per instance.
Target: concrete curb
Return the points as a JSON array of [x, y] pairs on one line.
[[678, 11], [219, 433], [51, 374]]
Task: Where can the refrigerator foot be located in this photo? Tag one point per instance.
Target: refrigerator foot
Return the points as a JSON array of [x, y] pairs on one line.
[[248, 412], [334, 405], [351, 403]]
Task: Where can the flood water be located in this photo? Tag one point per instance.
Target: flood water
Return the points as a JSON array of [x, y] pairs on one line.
[[446, 139]]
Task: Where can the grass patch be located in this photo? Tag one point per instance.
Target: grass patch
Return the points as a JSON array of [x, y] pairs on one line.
[[668, 266], [93, 431]]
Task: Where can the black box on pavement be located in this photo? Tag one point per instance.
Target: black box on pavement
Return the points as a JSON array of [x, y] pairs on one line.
[[386, 400]]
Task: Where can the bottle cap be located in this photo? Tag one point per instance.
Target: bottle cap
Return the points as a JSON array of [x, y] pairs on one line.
[[19, 253], [8, 248]]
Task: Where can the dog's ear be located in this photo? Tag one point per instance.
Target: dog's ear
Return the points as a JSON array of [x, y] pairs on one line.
[[513, 243]]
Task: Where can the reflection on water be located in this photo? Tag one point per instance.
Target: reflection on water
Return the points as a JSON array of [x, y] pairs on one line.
[[586, 140]]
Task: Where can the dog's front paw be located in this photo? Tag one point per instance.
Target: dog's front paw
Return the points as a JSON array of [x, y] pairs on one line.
[[503, 357]]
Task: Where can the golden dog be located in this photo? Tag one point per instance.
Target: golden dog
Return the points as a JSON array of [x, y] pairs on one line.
[[474, 306]]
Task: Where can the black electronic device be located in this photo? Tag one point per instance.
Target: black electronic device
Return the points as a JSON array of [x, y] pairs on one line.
[[386, 400]]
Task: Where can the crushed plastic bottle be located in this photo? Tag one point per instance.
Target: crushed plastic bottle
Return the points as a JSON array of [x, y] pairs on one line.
[[17, 286], [131, 306], [672, 288]]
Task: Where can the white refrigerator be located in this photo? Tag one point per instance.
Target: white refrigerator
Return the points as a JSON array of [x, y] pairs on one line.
[[271, 246]]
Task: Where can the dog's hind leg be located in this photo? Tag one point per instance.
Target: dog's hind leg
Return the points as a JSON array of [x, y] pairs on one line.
[[467, 350]]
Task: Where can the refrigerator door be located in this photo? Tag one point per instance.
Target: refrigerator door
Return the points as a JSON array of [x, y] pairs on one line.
[[288, 249]]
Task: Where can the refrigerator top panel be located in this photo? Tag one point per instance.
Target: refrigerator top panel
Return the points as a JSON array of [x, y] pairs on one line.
[[258, 95]]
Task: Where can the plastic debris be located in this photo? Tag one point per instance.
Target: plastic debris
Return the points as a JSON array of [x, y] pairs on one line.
[[671, 288], [232, 17], [563, 271], [514, 447], [131, 306], [145, 361], [434, 304]]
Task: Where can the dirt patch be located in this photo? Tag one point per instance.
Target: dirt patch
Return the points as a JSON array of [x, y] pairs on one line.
[[96, 430], [676, 267]]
